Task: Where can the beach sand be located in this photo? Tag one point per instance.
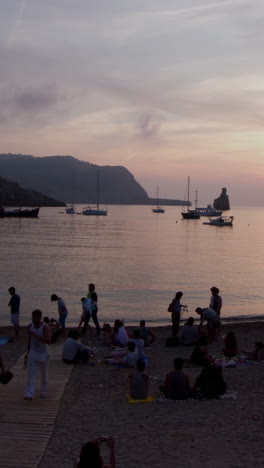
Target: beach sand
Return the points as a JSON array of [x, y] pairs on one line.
[[202, 434]]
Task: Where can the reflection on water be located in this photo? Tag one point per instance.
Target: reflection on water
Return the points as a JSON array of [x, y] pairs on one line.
[[136, 258]]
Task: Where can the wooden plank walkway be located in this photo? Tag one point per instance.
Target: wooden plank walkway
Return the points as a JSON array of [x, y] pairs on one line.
[[26, 426]]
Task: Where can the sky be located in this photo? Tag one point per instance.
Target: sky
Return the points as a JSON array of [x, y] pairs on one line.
[[168, 89]]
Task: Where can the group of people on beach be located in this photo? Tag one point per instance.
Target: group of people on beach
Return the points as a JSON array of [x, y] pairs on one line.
[[128, 351]]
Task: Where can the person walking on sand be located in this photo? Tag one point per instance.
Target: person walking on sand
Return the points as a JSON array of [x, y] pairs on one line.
[[93, 296], [62, 309], [175, 309], [14, 305], [37, 355], [216, 300]]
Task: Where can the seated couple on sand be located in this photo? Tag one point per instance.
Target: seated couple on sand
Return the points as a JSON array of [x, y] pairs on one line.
[[209, 384]]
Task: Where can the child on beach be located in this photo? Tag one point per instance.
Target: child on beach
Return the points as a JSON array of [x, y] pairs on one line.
[[231, 348], [126, 358], [138, 382]]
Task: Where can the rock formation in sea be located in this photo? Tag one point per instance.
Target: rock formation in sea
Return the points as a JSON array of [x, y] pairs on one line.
[[222, 202]]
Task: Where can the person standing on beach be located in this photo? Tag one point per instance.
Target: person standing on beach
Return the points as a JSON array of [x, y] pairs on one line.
[[63, 312], [175, 309], [213, 321], [14, 305], [37, 355], [93, 296], [216, 300]]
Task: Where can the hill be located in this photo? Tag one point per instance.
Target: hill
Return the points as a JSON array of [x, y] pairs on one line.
[[11, 194], [71, 180]]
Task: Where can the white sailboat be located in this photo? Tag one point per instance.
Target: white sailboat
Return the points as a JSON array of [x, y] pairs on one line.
[[95, 210], [158, 208]]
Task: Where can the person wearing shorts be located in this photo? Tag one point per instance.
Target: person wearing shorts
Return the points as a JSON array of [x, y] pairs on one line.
[[14, 305]]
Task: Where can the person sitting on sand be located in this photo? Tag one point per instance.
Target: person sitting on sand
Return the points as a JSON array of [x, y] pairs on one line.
[[200, 351], [139, 343], [125, 358], [177, 384], [210, 383], [90, 454], [106, 335], [145, 334], [231, 348], [120, 337], [189, 333], [73, 350], [257, 354], [138, 382], [54, 328], [213, 321]]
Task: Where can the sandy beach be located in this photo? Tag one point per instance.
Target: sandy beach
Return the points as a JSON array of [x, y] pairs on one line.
[[219, 433]]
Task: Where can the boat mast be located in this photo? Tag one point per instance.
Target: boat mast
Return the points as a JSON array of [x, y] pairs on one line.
[[188, 192], [97, 189], [157, 196], [196, 199]]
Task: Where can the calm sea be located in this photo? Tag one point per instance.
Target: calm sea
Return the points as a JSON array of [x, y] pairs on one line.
[[136, 258]]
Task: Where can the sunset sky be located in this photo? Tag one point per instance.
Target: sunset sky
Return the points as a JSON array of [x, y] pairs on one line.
[[166, 88]]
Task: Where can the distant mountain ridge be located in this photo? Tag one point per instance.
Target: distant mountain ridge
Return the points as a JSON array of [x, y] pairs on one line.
[[11, 194], [71, 180]]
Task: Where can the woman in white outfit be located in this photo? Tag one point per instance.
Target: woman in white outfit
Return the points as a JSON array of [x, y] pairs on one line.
[[38, 340]]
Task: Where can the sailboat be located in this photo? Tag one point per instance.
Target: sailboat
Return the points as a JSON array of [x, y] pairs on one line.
[[190, 214], [95, 211], [158, 208]]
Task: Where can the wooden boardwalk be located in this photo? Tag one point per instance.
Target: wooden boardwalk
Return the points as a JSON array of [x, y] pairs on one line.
[[26, 426]]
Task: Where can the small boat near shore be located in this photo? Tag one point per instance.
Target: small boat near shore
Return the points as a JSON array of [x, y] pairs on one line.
[[19, 213], [221, 221]]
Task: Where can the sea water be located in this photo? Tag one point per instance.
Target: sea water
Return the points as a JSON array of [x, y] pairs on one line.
[[137, 259]]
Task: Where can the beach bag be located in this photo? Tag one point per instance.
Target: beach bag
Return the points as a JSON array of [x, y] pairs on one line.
[[5, 377], [170, 308], [172, 341]]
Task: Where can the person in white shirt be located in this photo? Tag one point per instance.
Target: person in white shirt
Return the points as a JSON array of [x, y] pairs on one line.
[[37, 355], [126, 358], [74, 350], [139, 343], [86, 314], [212, 318]]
